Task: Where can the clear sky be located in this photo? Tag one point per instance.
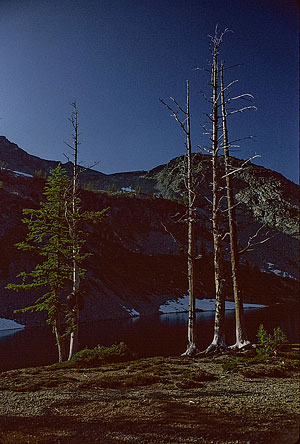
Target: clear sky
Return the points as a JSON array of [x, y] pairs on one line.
[[117, 57]]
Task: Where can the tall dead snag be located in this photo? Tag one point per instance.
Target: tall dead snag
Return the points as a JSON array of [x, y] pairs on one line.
[[76, 220], [218, 343], [240, 329], [191, 347], [241, 335], [76, 299], [186, 127]]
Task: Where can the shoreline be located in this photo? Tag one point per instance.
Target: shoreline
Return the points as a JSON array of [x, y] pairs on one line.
[[230, 307]]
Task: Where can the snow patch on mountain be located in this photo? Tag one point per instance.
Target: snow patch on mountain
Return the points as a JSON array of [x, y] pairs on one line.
[[20, 173], [128, 189], [282, 273]]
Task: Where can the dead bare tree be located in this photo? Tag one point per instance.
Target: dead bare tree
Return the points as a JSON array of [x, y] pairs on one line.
[[257, 238], [76, 299], [218, 343], [185, 125], [222, 143], [240, 328]]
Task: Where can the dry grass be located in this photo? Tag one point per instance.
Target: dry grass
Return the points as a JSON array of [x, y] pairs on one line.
[[150, 401]]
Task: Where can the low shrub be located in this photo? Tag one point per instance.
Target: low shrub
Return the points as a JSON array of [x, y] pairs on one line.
[[146, 364], [141, 379], [231, 366], [288, 355], [194, 378], [198, 375], [121, 381], [261, 365], [270, 343], [261, 370], [102, 355], [291, 364]]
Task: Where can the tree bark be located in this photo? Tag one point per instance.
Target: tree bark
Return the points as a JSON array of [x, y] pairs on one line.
[[218, 343], [188, 177], [191, 346], [75, 275], [60, 343], [241, 335]]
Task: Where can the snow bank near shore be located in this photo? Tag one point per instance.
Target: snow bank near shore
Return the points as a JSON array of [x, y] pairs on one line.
[[8, 324], [131, 311], [182, 304]]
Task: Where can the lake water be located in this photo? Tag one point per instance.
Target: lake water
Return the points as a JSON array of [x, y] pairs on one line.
[[163, 335]]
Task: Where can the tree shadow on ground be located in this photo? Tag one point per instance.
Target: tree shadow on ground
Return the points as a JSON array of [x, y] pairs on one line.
[[175, 423]]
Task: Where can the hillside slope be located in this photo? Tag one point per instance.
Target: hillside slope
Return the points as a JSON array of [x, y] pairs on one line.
[[270, 198], [138, 259]]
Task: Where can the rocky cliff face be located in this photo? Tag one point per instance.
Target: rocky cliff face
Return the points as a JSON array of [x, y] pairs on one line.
[[139, 258]]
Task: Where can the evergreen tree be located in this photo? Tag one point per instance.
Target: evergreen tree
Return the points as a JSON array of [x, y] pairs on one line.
[[50, 237]]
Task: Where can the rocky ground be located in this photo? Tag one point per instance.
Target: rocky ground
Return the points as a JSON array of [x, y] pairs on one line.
[[151, 401]]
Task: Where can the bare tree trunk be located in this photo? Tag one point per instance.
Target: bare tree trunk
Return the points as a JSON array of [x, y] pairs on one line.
[[191, 346], [59, 342], [75, 278], [241, 335], [218, 343], [188, 177]]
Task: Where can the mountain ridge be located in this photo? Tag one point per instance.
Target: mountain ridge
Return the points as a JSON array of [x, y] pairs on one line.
[[27, 167]]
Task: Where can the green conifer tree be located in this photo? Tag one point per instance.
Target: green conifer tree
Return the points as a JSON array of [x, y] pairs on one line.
[[50, 237]]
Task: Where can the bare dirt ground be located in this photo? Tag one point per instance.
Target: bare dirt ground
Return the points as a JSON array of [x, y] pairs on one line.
[[149, 401]]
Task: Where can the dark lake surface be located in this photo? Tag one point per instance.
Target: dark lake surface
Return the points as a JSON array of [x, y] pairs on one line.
[[159, 335]]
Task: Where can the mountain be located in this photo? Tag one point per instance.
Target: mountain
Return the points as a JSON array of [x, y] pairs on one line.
[[138, 260], [270, 197]]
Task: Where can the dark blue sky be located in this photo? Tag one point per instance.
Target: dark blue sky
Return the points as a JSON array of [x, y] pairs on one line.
[[117, 57]]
